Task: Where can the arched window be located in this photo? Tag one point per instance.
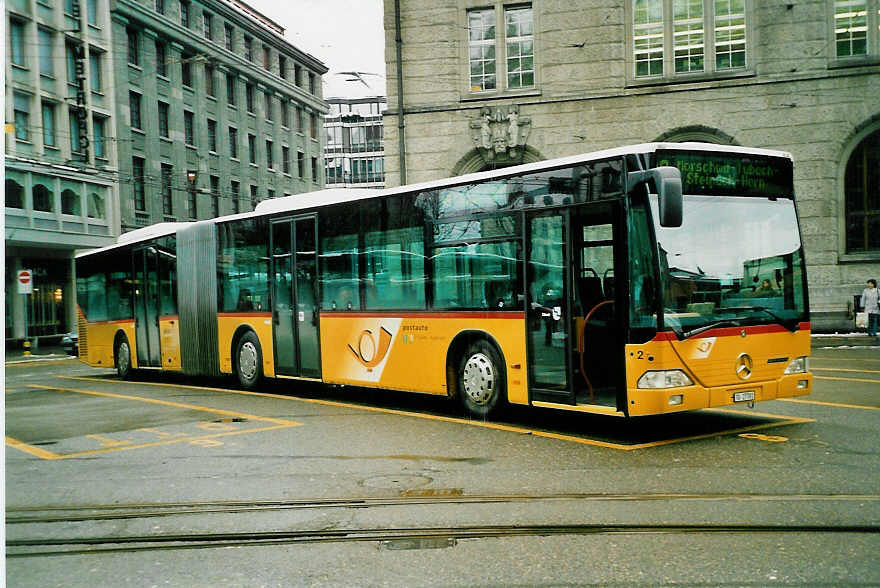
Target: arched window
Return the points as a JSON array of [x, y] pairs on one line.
[[14, 194], [70, 202], [862, 196], [96, 206], [42, 198]]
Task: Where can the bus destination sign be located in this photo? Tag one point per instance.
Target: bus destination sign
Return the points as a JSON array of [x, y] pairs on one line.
[[730, 174]]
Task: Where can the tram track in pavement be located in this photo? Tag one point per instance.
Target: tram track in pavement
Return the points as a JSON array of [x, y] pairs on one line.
[[50, 543]]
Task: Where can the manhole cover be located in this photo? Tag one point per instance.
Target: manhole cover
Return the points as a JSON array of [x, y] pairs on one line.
[[397, 482]]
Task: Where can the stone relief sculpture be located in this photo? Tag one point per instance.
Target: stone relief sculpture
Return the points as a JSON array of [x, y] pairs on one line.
[[500, 134]]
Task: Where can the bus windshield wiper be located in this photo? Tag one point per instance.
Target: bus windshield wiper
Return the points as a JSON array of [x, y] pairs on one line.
[[704, 328], [790, 324]]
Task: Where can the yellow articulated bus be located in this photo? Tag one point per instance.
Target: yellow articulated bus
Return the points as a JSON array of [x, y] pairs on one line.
[[636, 281]]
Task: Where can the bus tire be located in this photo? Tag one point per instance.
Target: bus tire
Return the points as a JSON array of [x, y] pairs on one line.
[[248, 361], [122, 358], [481, 379]]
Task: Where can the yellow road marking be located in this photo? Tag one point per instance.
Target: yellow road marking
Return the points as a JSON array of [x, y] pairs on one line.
[[196, 439], [107, 441], [836, 404], [783, 420], [847, 379], [815, 369]]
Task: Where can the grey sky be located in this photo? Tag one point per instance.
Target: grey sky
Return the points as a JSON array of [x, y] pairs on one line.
[[346, 35]]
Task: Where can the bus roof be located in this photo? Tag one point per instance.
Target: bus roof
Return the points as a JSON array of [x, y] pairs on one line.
[[329, 196]]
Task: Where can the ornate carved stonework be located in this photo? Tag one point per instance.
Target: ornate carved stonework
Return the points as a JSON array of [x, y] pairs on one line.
[[500, 134]]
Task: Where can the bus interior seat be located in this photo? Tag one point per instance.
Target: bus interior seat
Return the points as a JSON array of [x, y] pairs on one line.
[[608, 285], [590, 291]]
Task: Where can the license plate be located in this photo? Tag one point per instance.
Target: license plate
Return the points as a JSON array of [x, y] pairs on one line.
[[744, 396]]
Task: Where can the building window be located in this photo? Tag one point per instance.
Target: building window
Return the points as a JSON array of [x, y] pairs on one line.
[[313, 84], [285, 114], [167, 197], [44, 41], [285, 159], [189, 132], [249, 48], [253, 197], [299, 120], [249, 97], [49, 125], [515, 42], [267, 57], [161, 60], [297, 75], [300, 164], [96, 206], [862, 196], [16, 37], [210, 87], [76, 144], [92, 12], [134, 56], [186, 69], [14, 194], [252, 148], [184, 14], [215, 196], [233, 143], [208, 25], [98, 131], [269, 114], [192, 184], [315, 169], [270, 163], [137, 179], [95, 70], [212, 135], [229, 36], [856, 28], [163, 120], [22, 111], [160, 6], [678, 37], [313, 125], [70, 203], [282, 67], [134, 108], [234, 188], [230, 89], [43, 198]]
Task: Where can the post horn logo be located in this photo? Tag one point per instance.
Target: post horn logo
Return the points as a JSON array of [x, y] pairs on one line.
[[368, 352], [744, 366]]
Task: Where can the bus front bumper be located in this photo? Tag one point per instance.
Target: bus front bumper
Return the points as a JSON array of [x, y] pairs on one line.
[[643, 402]]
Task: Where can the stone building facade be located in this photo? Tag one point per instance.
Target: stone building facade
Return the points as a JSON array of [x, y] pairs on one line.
[[60, 165], [488, 83], [217, 110]]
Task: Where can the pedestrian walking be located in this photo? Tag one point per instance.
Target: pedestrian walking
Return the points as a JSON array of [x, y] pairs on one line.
[[870, 306]]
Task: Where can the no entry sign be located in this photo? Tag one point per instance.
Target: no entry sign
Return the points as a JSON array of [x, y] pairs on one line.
[[25, 282]]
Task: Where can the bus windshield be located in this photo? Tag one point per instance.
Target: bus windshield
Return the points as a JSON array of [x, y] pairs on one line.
[[735, 261]]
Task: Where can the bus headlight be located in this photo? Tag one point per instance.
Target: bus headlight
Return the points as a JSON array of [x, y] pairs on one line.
[[798, 365], [664, 379]]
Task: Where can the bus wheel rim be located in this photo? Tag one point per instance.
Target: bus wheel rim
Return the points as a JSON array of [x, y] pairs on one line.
[[123, 356], [247, 360], [479, 378]]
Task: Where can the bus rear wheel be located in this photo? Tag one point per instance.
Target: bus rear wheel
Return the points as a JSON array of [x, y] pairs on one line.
[[248, 360], [122, 358], [481, 379]]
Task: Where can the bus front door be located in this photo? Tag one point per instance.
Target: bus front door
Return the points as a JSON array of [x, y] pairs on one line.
[[548, 312], [294, 297], [145, 264]]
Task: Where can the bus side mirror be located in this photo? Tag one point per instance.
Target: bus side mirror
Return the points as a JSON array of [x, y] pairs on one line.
[[667, 182]]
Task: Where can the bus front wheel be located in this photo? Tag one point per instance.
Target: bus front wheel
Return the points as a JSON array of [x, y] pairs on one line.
[[248, 361], [481, 379], [122, 356]]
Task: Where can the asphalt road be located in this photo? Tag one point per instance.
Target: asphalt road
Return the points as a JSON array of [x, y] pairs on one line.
[[167, 481]]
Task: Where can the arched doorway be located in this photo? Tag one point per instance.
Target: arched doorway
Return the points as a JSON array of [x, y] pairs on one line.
[[698, 134], [861, 193]]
